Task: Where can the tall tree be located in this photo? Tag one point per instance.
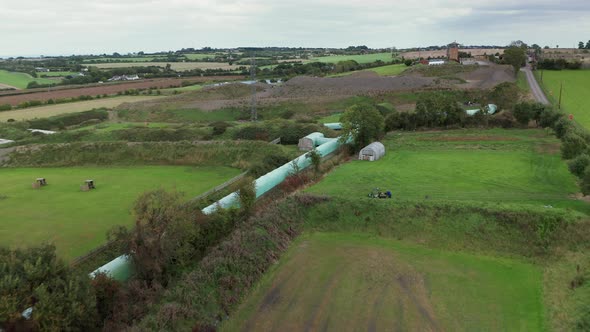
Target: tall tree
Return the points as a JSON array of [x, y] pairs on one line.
[[580, 45], [363, 123], [516, 57], [588, 45]]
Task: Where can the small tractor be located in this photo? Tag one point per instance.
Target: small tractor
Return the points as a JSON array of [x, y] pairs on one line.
[[377, 193]]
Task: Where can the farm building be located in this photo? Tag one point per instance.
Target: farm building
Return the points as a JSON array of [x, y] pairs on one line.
[[436, 62], [372, 152], [453, 51]]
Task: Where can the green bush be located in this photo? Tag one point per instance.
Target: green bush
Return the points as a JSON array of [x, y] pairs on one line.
[[5, 107], [219, 127], [578, 165], [572, 145]]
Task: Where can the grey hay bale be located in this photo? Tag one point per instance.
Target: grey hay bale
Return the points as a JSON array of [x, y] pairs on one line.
[[84, 187], [36, 185]]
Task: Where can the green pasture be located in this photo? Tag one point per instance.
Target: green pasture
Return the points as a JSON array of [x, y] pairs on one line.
[[330, 118], [128, 59], [195, 87], [519, 166], [77, 221], [349, 282], [199, 56], [574, 99], [112, 126], [363, 58], [224, 114], [389, 70], [58, 73], [20, 80]]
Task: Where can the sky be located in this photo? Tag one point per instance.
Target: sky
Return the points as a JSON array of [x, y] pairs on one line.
[[64, 27]]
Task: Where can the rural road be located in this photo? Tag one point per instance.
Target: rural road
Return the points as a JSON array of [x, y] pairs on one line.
[[535, 88]]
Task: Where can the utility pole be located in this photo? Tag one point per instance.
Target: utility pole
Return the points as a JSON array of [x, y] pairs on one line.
[[560, 91], [253, 114]]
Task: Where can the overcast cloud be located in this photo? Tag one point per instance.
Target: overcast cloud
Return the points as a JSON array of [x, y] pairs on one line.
[[35, 27]]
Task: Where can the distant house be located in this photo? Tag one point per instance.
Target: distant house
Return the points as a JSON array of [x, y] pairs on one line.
[[41, 70], [436, 62], [424, 62]]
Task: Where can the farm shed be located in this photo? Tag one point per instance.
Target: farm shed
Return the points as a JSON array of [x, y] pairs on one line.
[[372, 152]]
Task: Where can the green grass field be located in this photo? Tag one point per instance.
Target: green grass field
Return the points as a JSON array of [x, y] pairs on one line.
[[366, 58], [58, 73], [518, 166], [178, 66], [337, 282], [130, 59], [574, 98], [389, 70], [77, 221], [73, 107], [225, 114], [110, 126], [170, 91], [20, 80], [330, 118]]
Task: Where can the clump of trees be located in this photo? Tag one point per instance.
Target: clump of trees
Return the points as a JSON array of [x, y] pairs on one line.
[[38, 291], [558, 64], [362, 124]]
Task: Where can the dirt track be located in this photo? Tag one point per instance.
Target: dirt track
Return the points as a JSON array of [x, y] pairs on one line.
[[110, 88]]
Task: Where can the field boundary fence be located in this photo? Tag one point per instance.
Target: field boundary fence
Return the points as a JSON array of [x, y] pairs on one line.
[[220, 187]]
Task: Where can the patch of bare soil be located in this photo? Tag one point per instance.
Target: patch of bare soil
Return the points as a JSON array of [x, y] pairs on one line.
[[360, 83], [580, 197], [486, 77]]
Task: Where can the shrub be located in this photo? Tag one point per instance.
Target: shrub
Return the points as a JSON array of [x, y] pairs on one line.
[[267, 164], [523, 112], [578, 165], [252, 133], [562, 126], [548, 117], [219, 127], [5, 107], [572, 145], [35, 277], [585, 185], [247, 196]]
